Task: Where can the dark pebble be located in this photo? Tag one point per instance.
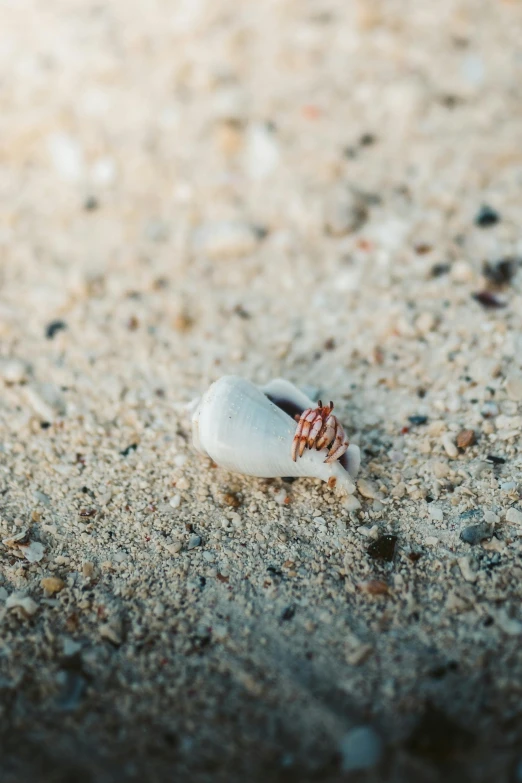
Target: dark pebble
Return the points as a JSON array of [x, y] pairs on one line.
[[474, 534], [488, 300], [422, 248], [383, 548], [495, 460], [473, 513], [437, 270], [288, 613], [52, 328], [367, 139], [45, 425], [289, 479], [486, 217], [127, 451], [500, 272], [417, 420], [91, 203], [73, 690]]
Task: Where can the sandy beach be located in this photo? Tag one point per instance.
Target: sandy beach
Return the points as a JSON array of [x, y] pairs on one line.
[[328, 192]]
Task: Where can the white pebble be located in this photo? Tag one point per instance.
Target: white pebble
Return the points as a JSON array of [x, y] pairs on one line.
[[33, 552], [179, 460], [175, 501], [46, 400], [103, 171], [461, 272], [491, 518], [466, 570], [13, 370], [261, 155], [360, 748], [280, 497], [66, 156], [436, 513], [367, 489], [226, 239], [509, 625], [508, 486], [351, 503], [514, 516], [369, 532], [23, 602], [514, 387], [489, 409], [345, 211], [449, 446]]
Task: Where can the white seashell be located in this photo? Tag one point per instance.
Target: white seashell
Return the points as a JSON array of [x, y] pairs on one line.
[[241, 428]]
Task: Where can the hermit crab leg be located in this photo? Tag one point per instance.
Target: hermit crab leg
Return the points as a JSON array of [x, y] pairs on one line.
[[319, 423], [328, 434], [301, 434], [339, 445]]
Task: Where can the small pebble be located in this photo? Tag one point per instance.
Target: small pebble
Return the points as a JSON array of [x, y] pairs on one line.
[[510, 625], [514, 387], [461, 272], [495, 460], [46, 399], [465, 438], [486, 217], [351, 503], [345, 212], [374, 587], [474, 534], [369, 532], [53, 328], [436, 513], [194, 541], [66, 156], [367, 489], [500, 272], [23, 602], [33, 552], [514, 516], [175, 501], [71, 647], [466, 570], [361, 748], [52, 584], [449, 446], [417, 421], [226, 240], [489, 300], [383, 548], [13, 371], [489, 410], [261, 156], [112, 632]]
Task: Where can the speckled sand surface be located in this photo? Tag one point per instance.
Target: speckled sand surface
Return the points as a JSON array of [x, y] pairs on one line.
[[203, 187]]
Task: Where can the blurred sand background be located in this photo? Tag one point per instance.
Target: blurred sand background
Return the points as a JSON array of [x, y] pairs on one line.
[[279, 188]]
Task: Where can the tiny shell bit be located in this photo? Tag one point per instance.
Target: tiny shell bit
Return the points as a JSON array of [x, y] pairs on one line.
[[250, 430]]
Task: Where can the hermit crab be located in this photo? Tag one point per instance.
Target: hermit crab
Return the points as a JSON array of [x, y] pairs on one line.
[[273, 430]]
